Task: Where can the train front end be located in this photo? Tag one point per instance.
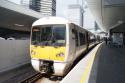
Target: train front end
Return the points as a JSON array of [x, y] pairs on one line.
[[48, 48]]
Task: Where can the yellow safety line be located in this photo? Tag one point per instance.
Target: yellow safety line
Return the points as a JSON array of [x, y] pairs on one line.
[[88, 68]]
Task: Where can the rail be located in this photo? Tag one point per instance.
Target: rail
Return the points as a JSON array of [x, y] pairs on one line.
[[33, 78]]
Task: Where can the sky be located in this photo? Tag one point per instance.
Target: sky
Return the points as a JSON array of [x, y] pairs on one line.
[[61, 8]]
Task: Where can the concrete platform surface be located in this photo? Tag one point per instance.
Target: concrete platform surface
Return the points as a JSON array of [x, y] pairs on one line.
[[81, 72], [106, 64], [109, 65]]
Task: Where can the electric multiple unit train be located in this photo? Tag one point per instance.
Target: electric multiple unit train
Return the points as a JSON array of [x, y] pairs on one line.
[[56, 43]]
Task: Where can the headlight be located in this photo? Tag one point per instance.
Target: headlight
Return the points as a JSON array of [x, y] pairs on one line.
[[60, 55], [32, 52], [41, 62]]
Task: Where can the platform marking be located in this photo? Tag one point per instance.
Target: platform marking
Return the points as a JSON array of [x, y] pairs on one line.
[[89, 66]]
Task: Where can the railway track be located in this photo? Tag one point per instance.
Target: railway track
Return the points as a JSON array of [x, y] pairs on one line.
[[33, 78], [37, 76]]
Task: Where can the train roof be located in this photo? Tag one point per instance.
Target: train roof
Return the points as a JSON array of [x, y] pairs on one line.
[[53, 20], [50, 20]]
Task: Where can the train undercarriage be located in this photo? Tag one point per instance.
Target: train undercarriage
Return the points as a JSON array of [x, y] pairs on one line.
[[49, 67]]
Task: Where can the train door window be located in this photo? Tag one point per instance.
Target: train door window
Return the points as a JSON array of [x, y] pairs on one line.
[[76, 36], [92, 38], [82, 38], [73, 34]]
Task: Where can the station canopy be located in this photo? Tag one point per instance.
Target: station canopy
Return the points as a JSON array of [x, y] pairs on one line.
[[108, 13], [16, 17]]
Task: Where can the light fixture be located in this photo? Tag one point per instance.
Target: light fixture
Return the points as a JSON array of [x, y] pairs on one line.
[[120, 21], [19, 25], [61, 54]]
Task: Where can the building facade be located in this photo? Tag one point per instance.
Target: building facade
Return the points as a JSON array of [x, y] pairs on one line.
[[45, 7], [75, 14], [24, 3]]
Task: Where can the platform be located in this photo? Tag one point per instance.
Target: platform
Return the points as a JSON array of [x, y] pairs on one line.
[[81, 72], [104, 64], [109, 65]]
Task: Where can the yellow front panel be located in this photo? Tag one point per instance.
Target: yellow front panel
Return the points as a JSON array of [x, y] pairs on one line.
[[47, 52], [57, 51]]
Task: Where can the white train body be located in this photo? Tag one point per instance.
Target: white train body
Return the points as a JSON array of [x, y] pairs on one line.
[[76, 42]]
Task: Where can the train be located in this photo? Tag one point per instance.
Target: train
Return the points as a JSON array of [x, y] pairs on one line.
[[56, 43]]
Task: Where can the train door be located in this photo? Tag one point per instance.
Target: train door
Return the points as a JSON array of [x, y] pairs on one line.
[[72, 42], [87, 40], [75, 40]]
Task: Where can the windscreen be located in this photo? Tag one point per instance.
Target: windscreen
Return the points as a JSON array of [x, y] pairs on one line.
[[49, 35]]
